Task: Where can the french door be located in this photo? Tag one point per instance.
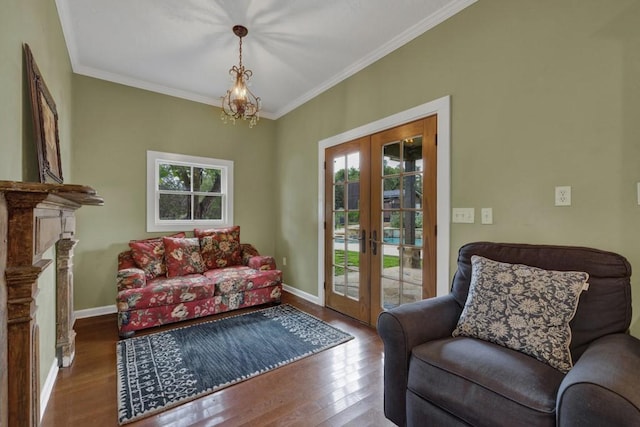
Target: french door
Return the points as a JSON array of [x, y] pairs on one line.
[[380, 220]]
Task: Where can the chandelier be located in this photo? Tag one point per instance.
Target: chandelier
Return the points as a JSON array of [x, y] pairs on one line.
[[239, 102]]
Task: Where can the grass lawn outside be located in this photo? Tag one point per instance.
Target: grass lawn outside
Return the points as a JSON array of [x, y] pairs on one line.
[[353, 260]]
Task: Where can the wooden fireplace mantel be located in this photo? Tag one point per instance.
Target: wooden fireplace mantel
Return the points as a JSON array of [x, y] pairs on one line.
[[33, 218]]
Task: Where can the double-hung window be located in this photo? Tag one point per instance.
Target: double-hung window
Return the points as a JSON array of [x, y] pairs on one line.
[[185, 192]]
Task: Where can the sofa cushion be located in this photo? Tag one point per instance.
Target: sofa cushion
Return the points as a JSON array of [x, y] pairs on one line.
[[465, 376], [163, 291], [241, 278], [182, 256], [523, 308], [220, 247], [148, 254]]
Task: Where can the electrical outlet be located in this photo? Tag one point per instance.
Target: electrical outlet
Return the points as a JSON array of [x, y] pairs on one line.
[[563, 196], [463, 215], [284, 260], [486, 215], [638, 193]]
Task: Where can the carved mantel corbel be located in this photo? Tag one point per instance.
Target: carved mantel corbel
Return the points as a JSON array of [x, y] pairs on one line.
[[65, 335]]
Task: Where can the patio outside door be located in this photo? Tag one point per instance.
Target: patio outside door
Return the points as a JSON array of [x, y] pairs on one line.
[[380, 213]]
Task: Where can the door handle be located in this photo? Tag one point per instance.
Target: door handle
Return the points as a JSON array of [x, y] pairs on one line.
[[374, 243], [363, 242]]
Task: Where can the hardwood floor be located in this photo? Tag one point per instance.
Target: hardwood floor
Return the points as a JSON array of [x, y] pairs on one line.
[[341, 386]]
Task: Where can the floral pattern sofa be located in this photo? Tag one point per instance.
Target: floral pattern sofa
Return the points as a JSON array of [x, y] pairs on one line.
[[168, 279]]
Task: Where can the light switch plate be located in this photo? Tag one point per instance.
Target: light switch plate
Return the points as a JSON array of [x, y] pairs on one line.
[[463, 215], [486, 215], [639, 193]]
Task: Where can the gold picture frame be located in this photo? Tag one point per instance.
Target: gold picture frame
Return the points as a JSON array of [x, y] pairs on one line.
[[45, 121]]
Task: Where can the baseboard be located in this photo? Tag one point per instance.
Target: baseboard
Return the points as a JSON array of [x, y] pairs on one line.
[[96, 311], [47, 388], [302, 294]]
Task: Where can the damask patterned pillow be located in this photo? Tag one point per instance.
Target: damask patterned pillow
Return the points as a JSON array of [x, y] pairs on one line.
[[182, 256], [148, 254], [220, 247], [524, 308]]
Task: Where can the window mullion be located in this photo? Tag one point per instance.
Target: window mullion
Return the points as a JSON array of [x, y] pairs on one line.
[[193, 199]]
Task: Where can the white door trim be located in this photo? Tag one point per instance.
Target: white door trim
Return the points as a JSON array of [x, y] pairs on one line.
[[441, 107]]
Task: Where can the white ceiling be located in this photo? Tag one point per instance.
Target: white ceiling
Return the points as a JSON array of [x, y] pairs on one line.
[[296, 48]]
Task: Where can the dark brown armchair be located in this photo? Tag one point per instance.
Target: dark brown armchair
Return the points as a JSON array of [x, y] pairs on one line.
[[432, 378]]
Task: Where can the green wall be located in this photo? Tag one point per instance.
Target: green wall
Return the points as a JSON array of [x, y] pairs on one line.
[[543, 93], [114, 126], [34, 22]]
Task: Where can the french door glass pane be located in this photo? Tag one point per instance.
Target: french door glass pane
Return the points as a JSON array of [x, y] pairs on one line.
[[353, 229], [402, 222], [391, 261], [346, 225], [391, 234], [353, 165], [339, 283], [390, 276], [339, 261], [412, 154], [338, 225], [339, 165], [411, 191], [390, 292], [353, 283], [391, 158], [338, 197]]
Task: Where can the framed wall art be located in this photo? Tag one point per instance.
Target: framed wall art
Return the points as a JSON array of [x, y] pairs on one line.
[[45, 120]]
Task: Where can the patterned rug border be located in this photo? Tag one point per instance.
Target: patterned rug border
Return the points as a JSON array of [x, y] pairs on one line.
[[120, 364]]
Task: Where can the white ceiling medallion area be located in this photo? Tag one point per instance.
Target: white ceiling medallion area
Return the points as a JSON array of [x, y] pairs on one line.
[[296, 48]]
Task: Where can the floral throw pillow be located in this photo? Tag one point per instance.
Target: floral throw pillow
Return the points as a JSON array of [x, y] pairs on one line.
[[220, 247], [524, 308], [148, 255], [182, 256]]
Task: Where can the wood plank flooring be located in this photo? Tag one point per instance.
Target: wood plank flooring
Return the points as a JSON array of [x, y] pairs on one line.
[[341, 386]]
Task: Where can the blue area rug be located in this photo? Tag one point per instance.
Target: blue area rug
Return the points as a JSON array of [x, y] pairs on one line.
[[165, 369]]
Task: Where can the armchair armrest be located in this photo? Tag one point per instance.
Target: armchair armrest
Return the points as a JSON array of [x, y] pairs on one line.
[[403, 328], [130, 278], [262, 262], [602, 387]]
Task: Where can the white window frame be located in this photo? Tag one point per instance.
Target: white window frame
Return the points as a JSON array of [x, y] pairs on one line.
[[154, 159]]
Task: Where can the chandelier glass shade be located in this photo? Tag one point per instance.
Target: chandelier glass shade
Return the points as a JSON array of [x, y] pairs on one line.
[[239, 102]]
